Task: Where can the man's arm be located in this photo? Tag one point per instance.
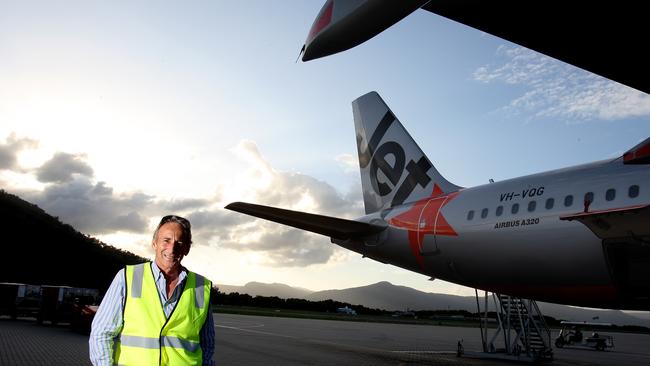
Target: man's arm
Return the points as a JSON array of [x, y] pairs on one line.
[[107, 323], [207, 338]]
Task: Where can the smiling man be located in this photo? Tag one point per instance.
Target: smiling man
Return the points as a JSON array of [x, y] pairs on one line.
[[156, 313]]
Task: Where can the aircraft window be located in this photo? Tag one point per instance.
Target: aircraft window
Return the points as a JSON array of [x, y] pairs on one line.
[[589, 197], [568, 200], [470, 215], [549, 203], [531, 206], [484, 213], [633, 192], [610, 194], [499, 210], [515, 208]]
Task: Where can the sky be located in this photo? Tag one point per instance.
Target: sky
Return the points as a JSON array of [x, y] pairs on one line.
[[114, 114]]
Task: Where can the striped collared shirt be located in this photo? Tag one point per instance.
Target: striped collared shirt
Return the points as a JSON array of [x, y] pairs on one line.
[[107, 323]]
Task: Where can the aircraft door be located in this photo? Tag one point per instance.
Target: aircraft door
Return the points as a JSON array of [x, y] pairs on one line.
[[427, 228]]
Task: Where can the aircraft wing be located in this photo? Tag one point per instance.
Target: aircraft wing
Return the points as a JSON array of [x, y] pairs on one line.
[[604, 37], [607, 38], [325, 225], [622, 222]]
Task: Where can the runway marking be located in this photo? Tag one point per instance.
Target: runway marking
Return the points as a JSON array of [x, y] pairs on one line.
[[254, 325], [338, 345], [428, 352], [255, 331], [314, 341]]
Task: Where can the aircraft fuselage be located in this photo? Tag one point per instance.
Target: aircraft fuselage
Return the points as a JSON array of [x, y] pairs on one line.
[[577, 235], [508, 237]]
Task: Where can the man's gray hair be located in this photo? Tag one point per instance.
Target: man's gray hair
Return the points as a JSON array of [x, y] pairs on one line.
[[183, 222]]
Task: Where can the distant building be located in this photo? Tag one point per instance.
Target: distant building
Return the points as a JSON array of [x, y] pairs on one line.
[[400, 314], [346, 310]]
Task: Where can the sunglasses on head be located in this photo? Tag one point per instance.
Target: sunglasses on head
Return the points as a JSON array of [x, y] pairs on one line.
[[185, 223]]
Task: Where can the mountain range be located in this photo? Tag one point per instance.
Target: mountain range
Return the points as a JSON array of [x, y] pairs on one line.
[[384, 295]]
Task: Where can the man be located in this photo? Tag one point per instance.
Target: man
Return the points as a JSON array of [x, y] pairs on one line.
[[156, 313]]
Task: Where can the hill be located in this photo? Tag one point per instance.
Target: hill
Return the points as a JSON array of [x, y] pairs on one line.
[[384, 295], [267, 289], [41, 250]]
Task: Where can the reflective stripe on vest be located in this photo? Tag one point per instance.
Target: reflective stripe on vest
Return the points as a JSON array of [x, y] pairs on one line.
[[144, 342], [148, 337]]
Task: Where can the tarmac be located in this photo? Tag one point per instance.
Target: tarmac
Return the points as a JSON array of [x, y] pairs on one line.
[[268, 341]]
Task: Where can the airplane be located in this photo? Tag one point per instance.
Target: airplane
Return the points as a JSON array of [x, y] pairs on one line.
[[607, 38], [576, 236]]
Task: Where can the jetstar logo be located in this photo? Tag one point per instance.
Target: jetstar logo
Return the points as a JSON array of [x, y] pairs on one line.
[[425, 218], [375, 155]]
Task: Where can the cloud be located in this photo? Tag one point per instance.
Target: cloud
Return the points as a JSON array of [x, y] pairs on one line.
[[131, 222], [93, 208], [348, 162], [72, 195], [279, 245], [62, 167], [284, 247], [293, 190], [214, 225], [183, 204], [90, 207], [10, 149], [555, 89]]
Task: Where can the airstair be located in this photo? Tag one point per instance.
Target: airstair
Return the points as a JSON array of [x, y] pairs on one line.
[[521, 333]]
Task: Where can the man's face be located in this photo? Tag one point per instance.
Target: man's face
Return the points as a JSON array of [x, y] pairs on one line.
[[170, 246]]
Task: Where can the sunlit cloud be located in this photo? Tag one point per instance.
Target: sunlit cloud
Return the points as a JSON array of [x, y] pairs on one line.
[[184, 204], [262, 184], [10, 149], [555, 89], [215, 226], [348, 162], [93, 208], [71, 193], [282, 246], [62, 168]]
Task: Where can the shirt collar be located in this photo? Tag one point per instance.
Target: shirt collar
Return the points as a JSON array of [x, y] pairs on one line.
[[157, 273]]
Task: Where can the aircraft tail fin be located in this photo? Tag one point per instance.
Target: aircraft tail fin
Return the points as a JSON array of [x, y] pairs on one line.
[[394, 170]]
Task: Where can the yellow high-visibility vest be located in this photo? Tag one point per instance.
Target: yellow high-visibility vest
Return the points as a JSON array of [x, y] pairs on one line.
[[148, 336]]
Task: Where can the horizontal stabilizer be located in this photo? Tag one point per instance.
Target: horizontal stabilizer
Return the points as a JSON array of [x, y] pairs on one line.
[[325, 225]]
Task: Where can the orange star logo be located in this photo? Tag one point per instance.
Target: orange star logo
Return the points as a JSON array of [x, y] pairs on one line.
[[425, 218]]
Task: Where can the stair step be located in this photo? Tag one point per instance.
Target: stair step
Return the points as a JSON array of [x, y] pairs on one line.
[[522, 316]]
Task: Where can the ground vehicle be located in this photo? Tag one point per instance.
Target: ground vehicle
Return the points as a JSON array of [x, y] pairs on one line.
[[19, 299], [584, 335], [83, 312], [57, 302]]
